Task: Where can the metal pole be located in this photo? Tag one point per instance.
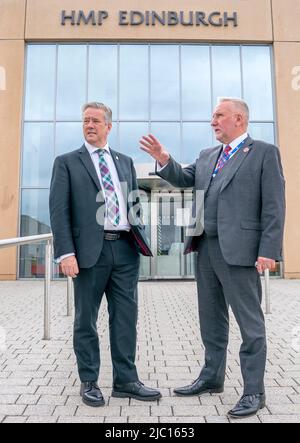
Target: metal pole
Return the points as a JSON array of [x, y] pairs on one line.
[[267, 291], [47, 314], [69, 297]]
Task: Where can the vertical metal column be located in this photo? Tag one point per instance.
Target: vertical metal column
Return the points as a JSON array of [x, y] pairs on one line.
[[267, 291], [69, 296], [154, 226], [47, 313]]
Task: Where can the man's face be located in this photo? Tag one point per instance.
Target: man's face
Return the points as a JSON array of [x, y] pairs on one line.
[[95, 128], [227, 122]]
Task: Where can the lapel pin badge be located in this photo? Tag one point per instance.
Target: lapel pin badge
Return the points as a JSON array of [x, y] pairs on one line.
[[117, 158], [246, 149]]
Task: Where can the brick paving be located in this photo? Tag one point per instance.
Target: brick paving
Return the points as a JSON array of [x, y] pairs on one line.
[[39, 381]]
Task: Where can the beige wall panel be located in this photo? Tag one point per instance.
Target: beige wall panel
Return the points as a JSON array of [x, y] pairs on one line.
[[254, 20], [12, 19], [8, 277], [287, 66], [286, 15], [11, 93], [292, 276]]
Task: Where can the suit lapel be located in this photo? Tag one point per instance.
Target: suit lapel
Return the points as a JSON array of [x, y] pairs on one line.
[[126, 187], [118, 165], [89, 165], [238, 158], [209, 166]]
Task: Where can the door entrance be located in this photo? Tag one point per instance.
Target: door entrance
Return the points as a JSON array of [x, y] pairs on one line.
[[166, 213]]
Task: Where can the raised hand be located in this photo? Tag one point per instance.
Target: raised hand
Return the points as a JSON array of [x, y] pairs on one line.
[[152, 146]]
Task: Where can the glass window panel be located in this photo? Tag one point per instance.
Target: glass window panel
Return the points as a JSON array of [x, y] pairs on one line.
[[191, 263], [35, 217], [145, 199], [35, 220], [113, 137], [38, 154], [40, 82], [170, 259], [71, 81], [169, 135], [130, 134], [68, 137], [258, 81], [134, 82], [56, 272], [196, 83], [226, 72], [190, 259], [165, 82], [32, 261], [144, 268], [262, 131], [196, 136], [103, 75]]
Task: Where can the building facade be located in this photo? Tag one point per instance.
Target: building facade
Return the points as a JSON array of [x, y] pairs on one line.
[[160, 66]]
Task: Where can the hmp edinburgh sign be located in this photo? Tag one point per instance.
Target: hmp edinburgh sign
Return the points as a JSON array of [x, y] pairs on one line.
[[151, 18]]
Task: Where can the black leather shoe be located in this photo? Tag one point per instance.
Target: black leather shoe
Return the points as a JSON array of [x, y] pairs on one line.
[[248, 405], [199, 387], [135, 390], [91, 394]]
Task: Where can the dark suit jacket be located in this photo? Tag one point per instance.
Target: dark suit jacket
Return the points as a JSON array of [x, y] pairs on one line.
[[73, 206], [251, 204]]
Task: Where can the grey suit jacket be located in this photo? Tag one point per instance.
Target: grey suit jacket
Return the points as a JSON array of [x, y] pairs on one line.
[[74, 205], [251, 204]]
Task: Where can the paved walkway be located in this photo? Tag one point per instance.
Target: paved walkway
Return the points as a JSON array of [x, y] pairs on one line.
[[39, 382]]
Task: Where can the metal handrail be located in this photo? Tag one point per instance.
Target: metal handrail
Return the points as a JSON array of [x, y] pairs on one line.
[[19, 241], [48, 238]]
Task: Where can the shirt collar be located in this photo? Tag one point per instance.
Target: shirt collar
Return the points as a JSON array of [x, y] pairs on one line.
[[237, 141], [92, 149]]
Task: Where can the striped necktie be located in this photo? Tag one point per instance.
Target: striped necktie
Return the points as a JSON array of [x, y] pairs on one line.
[[111, 198], [224, 157]]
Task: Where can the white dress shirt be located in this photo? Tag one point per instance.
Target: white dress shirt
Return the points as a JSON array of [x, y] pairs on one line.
[[124, 224], [236, 142]]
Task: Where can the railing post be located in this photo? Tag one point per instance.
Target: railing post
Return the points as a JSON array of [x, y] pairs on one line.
[[267, 291], [69, 297], [47, 313]]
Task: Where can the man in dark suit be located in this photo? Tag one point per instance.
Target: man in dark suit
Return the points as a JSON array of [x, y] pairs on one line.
[[244, 210], [98, 234]]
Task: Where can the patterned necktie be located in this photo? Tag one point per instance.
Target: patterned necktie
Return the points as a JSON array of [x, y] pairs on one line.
[[224, 157], [111, 198]]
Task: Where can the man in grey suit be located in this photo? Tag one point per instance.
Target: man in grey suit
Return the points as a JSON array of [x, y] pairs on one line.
[[244, 211], [98, 235]]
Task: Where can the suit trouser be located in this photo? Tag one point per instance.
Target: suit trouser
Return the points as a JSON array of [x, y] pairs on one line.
[[221, 285], [115, 274]]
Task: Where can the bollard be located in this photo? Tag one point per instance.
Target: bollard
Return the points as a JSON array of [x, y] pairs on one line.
[[69, 296], [267, 291], [47, 313]]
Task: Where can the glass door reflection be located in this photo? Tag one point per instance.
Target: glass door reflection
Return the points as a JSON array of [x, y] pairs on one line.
[[145, 267], [168, 237]]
